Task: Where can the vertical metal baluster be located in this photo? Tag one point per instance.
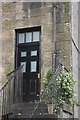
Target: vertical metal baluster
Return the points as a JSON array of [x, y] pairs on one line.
[[12, 90], [2, 101], [8, 96], [15, 89], [16, 86], [20, 84]]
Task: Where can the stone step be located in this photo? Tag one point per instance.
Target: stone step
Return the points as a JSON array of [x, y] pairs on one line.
[[27, 109], [36, 117]]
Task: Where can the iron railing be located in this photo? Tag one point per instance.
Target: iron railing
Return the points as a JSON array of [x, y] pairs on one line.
[[57, 71], [51, 81], [12, 90]]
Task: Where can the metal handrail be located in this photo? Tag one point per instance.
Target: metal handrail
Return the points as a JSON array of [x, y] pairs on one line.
[[41, 95], [14, 70], [12, 76], [56, 73]]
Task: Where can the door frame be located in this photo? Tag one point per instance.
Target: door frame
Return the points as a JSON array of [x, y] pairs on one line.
[[38, 28]]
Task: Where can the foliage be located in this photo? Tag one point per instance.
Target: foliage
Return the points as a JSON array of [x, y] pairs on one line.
[[49, 74], [48, 77], [60, 90], [65, 86]]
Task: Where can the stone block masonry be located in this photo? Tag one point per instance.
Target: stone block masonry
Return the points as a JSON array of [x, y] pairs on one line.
[[16, 15]]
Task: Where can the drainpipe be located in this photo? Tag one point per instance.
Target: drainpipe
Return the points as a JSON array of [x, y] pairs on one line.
[[54, 41]]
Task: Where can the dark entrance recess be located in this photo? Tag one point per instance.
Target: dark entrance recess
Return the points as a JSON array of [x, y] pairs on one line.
[[27, 53]]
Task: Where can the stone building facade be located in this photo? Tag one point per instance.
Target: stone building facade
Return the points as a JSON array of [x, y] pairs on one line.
[[24, 15], [53, 21]]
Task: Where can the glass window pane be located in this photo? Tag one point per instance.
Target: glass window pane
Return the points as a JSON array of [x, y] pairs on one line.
[[24, 66], [21, 37], [28, 37], [35, 36], [23, 54], [33, 66], [34, 53]]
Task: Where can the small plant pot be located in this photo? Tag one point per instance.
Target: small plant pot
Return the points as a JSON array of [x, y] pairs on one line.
[[67, 108], [50, 108]]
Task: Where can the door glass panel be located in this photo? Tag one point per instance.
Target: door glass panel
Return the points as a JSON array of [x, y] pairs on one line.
[[24, 66], [21, 37], [35, 36], [32, 86], [33, 66], [28, 37], [23, 54], [34, 53]]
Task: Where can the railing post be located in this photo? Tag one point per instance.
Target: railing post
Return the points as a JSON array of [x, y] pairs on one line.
[[20, 85], [8, 96], [2, 101], [15, 90]]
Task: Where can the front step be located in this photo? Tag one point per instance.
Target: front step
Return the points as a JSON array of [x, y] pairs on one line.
[[41, 117], [25, 110]]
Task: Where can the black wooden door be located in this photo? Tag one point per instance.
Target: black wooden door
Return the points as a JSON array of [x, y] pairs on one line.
[[28, 56]]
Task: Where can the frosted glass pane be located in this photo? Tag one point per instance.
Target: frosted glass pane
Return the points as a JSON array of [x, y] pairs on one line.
[[23, 54], [35, 36], [21, 38], [34, 53], [33, 66], [24, 66], [28, 37]]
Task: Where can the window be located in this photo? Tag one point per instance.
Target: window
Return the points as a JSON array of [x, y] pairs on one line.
[[33, 66], [34, 53], [23, 54], [35, 36], [21, 38], [24, 66], [28, 36]]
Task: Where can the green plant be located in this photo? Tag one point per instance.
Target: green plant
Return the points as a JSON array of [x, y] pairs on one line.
[[47, 76], [47, 94], [61, 90], [65, 86]]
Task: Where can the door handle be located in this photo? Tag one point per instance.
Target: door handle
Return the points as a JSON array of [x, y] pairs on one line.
[[38, 75]]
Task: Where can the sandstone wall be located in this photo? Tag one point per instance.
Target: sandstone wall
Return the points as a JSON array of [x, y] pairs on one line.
[[24, 15], [17, 15], [63, 43]]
